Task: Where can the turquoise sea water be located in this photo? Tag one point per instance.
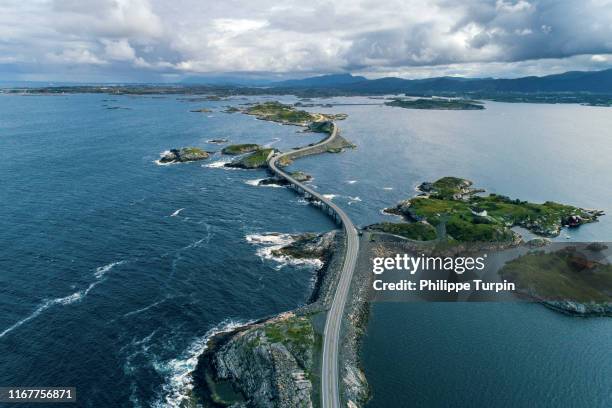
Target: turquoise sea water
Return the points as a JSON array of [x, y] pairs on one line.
[[102, 288]]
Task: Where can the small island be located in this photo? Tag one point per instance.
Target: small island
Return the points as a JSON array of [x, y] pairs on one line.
[[457, 212], [574, 279], [288, 115], [202, 110], [437, 104], [182, 155], [237, 149], [256, 160]]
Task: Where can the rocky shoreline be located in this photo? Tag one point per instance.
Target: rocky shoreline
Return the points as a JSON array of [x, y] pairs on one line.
[[275, 362]]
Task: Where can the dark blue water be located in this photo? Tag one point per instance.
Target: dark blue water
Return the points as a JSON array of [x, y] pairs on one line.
[[100, 287], [103, 289]]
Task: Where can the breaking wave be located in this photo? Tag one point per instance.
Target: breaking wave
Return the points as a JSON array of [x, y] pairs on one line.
[[66, 300], [179, 371], [270, 242]]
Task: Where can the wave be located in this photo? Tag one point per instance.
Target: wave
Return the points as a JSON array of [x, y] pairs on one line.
[[66, 300], [268, 243], [177, 212], [352, 200], [179, 371], [255, 183], [274, 141], [387, 188], [101, 271], [330, 196], [351, 181], [144, 309], [162, 154]]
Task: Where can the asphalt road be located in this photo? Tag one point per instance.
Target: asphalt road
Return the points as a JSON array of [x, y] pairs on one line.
[[330, 396]]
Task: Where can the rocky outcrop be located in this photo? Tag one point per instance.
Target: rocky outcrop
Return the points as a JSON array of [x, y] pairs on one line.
[[256, 160], [184, 154], [273, 362], [240, 148]]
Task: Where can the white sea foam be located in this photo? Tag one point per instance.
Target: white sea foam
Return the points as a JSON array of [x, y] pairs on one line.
[[254, 182], [330, 196], [387, 188], [216, 164], [270, 242], [101, 271], [179, 371], [144, 309], [351, 181], [66, 300], [274, 141], [177, 212], [162, 154], [353, 200]]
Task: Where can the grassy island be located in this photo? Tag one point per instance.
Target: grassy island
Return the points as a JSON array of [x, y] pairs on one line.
[[278, 112], [570, 274], [255, 160], [436, 103], [240, 148], [453, 207]]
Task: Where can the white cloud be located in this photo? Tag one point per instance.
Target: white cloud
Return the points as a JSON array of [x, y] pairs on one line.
[[298, 36]]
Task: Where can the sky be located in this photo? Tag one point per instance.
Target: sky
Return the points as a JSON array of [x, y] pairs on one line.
[[166, 41]]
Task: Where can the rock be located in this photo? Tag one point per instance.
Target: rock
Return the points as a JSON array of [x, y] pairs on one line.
[[597, 247], [301, 176], [538, 242], [184, 154], [256, 160], [217, 141], [202, 110]]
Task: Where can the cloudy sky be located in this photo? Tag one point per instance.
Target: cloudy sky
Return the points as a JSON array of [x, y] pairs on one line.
[[161, 40]]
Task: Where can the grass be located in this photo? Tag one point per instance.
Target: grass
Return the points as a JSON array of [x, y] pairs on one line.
[[240, 148], [560, 275], [440, 104], [469, 217], [257, 159], [295, 332], [278, 112]]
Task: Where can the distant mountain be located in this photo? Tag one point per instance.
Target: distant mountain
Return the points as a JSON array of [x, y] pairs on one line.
[[575, 81], [323, 81]]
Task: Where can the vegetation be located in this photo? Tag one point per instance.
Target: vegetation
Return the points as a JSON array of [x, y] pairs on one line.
[[278, 112], [258, 159], [240, 148], [296, 333], [419, 231], [451, 203], [567, 275], [436, 103]]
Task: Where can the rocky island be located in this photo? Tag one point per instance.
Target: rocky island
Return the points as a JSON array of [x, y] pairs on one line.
[[237, 149], [576, 279], [275, 362], [184, 154], [287, 114], [458, 212], [437, 104], [256, 160]]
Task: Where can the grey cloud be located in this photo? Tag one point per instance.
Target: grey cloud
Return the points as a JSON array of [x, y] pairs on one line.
[[148, 38]]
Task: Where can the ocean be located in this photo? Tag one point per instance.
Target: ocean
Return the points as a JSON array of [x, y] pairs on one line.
[[115, 270]]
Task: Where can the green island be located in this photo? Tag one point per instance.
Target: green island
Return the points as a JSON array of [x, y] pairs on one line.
[[278, 112], [237, 149], [256, 160], [571, 279], [458, 213], [184, 154], [437, 104], [289, 115]]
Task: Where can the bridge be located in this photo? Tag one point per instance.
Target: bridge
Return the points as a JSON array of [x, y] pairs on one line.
[[330, 395]]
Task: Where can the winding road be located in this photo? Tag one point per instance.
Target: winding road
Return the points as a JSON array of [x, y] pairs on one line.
[[330, 395]]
